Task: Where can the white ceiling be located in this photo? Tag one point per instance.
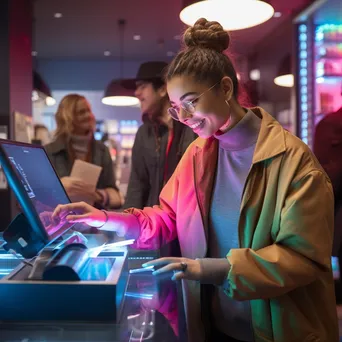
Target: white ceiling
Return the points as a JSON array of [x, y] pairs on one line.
[[89, 27]]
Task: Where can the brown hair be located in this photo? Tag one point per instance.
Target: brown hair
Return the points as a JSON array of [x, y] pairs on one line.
[[203, 57], [65, 114]]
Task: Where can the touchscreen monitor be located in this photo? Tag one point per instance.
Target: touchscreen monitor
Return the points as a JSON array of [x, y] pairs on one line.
[[36, 185]]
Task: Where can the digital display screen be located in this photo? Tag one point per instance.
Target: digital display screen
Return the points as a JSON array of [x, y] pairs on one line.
[[38, 178]]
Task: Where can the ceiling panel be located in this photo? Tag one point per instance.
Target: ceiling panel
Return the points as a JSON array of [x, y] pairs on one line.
[[89, 27]]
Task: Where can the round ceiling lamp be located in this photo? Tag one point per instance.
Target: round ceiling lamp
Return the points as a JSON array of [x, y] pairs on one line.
[[285, 81], [231, 14], [115, 93], [41, 90], [284, 76]]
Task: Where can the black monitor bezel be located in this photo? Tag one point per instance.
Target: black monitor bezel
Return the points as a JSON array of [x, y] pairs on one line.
[[22, 196]]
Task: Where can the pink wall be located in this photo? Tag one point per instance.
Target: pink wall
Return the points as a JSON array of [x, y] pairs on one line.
[[20, 32]]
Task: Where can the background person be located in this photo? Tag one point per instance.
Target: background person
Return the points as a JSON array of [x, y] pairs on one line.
[[74, 139], [160, 142]]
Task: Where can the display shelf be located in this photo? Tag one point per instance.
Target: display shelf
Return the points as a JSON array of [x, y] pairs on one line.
[[337, 77], [329, 41]]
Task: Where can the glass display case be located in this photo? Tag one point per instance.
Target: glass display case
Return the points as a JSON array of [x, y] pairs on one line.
[[328, 62], [318, 67]]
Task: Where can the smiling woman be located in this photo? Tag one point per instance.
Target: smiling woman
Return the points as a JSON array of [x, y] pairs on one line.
[[204, 95], [250, 205], [74, 139]]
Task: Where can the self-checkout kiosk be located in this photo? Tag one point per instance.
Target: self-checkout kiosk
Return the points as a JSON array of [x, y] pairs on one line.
[[59, 277]]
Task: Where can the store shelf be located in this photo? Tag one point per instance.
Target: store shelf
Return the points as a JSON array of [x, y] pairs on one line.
[[320, 57], [330, 41], [339, 77]]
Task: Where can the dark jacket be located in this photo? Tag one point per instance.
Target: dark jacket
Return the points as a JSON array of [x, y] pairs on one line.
[[58, 154], [149, 158], [328, 150]]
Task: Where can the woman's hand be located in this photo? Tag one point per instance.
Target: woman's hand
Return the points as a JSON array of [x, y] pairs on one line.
[[79, 190], [73, 185], [79, 212], [182, 268]]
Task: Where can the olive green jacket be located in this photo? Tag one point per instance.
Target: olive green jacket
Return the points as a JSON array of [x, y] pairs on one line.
[[283, 265]]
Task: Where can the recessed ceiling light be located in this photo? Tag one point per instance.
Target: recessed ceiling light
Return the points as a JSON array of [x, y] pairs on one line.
[[137, 37], [107, 53], [34, 53], [170, 54], [277, 14], [58, 15]]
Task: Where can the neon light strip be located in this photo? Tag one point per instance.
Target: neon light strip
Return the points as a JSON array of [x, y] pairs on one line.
[[303, 82]]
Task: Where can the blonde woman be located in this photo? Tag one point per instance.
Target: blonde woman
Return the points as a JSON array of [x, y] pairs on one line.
[[74, 139]]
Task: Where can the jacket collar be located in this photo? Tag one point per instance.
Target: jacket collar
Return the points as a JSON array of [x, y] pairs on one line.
[[61, 144], [58, 145], [271, 139], [271, 142]]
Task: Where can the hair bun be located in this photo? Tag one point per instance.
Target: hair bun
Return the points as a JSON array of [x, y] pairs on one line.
[[207, 34]]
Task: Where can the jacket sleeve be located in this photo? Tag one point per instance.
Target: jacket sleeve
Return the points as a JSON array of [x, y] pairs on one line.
[[302, 249], [138, 185], [157, 224], [107, 177], [107, 182]]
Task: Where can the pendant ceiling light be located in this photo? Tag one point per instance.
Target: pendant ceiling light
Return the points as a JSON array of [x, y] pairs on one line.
[[284, 76], [41, 90], [231, 14], [115, 93]]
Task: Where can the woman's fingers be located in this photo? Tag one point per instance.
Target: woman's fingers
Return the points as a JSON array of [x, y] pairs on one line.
[[62, 209], [178, 275], [162, 261], [167, 268], [78, 218]]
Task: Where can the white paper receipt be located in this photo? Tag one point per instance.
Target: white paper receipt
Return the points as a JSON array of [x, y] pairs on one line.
[[88, 173]]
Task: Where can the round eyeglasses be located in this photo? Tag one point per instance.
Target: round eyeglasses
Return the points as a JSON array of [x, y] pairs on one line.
[[188, 106]]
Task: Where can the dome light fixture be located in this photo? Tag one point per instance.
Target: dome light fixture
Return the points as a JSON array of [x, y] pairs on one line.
[[115, 93], [50, 101], [284, 76], [285, 81], [231, 14], [41, 90]]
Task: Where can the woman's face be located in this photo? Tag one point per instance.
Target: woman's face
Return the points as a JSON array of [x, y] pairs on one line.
[[83, 118], [211, 110]]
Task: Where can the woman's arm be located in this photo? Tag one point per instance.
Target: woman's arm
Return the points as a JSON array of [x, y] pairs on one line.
[[301, 251], [150, 227]]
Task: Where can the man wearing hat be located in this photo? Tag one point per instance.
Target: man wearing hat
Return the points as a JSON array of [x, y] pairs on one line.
[[159, 143]]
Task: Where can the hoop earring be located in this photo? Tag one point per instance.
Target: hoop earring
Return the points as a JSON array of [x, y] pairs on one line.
[[228, 105], [226, 125]]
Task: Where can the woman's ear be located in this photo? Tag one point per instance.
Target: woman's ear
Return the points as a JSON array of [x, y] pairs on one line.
[[227, 87]]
